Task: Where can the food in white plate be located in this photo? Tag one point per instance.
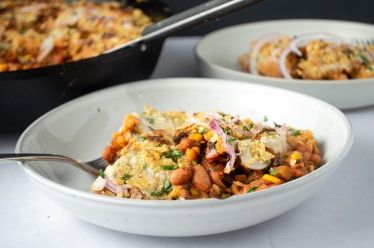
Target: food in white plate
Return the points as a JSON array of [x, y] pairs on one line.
[[316, 56], [174, 156]]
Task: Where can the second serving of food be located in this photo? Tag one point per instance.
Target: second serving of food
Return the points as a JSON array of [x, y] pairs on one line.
[[316, 56], [174, 156]]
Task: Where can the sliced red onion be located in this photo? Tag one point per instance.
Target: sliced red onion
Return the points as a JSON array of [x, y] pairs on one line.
[[301, 41], [45, 48], [281, 129], [246, 133], [229, 148], [257, 127], [370, 53], [121, 189], [256, 49], [282, 63], [214, 115], [111, 186], [235, 118]]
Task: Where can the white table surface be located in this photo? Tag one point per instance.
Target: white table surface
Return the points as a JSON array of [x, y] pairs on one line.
[[340, 214]]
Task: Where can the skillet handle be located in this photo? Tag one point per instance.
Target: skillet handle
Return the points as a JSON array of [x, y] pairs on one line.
[[201, 14]]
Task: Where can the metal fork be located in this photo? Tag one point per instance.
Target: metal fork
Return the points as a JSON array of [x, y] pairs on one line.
[[93, 167]]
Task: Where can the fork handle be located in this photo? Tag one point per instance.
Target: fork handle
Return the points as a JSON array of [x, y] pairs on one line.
[[34, 157], [46, 157]]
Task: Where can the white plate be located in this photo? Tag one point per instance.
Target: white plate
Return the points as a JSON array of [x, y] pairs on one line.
[[217, 55], [82, 127]]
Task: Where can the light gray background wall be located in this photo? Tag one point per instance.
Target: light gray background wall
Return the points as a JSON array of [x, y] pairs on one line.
[[352, 10]]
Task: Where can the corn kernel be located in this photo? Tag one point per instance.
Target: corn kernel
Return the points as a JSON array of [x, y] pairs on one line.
[[296, 156], [3, 67], [196, 137], [191, 155], [196, 150], [271, 178], [311, 168], [120, 141], [194, 192], [175, 192]]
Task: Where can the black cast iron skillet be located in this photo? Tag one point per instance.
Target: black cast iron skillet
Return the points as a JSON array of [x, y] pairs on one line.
[[27, 94]]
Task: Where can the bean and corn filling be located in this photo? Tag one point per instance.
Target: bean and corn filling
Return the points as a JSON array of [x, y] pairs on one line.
[[170, 155]]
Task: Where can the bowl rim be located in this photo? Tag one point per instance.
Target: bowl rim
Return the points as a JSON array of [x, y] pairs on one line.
[[199, 52], [327, 167]]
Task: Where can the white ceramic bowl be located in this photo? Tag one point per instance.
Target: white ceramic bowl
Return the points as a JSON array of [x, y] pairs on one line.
[[82, 127], [218, 51]]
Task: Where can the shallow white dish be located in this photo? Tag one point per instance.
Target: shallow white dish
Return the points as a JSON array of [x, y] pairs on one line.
[[218, 51], [82, 127]]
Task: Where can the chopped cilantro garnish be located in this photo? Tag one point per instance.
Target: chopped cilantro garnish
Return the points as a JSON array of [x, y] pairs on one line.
[[231, 140], [267, 162], [285, 157], [169, 167], [296, 133], [142, 138], [226, 131], [223, 196], [252, 189], [165, 189], [270, 133], [246, 128], [364, 59], [174, 154], [126, 177], [194, 162], [203, 131], [265, 118], [101, 172], [272, 171], [151, 120], [277, 125]]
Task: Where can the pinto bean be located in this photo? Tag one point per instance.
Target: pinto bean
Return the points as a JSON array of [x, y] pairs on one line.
[[180, 176], [316, 159], [216, 177], [302, 147], [201, 179], [109, 154], [306, 157], [236, 189], [186, 143], [211, 154]]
